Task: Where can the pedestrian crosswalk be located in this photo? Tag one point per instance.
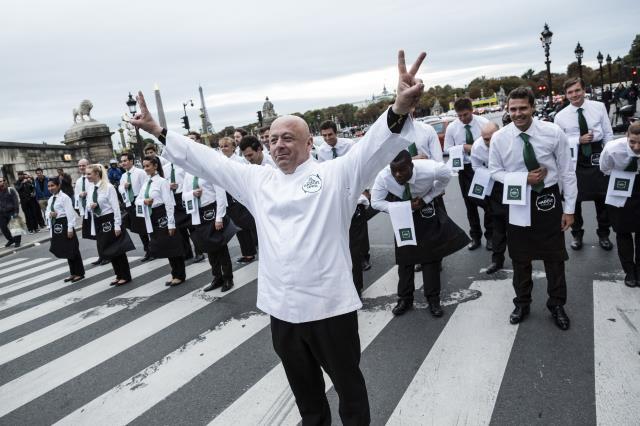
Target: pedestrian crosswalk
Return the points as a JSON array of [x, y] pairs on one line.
[[57, 341]]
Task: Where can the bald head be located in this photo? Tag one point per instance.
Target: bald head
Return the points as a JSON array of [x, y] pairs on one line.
[[290, 142], [82, 166], [488, 130]]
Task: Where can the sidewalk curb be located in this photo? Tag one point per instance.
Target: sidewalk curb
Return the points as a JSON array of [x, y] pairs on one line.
[[30, 244]]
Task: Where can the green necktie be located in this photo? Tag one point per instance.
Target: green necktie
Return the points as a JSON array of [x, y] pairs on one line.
[[83, 201], [130, 193], [406, 195], [530, 160], [173, 175], [413, 150], [584, 129], [146, 191], [53, 202], [469, 136], [335, 152], [633, 165], [97, 210], [195, 185]]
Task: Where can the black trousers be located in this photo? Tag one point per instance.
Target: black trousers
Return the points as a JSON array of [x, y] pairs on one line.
[[628, 254], [4, 226], [186, 244], [499, 237], [248, 240], [358, 243], [190, 229], [475, 230], [177, 268], [367, 247], [332, 344], [40, 214], [430, 278], [145, 242], [75, 266], [30, 211], [121, 267], [601, 216], [220, 261], [523, 283]]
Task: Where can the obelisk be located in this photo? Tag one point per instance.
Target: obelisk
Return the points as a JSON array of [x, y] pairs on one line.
[[206, 124], [161, 117]]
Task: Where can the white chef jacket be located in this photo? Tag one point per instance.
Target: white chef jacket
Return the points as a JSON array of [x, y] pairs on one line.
[[210, 193], [595, 113], [267, 160], [552, 152], [457, 135], [302, 219], [479, 154], [427, 141], [88, 187], [616, 155], [178, 172], [138, 178], [64, 208], [160, 193], [108, 202], [325, 153], [428, 180]]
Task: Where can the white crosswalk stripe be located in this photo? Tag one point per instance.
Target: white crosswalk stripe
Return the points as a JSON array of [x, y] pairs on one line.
[[30, 268], [5, 263]]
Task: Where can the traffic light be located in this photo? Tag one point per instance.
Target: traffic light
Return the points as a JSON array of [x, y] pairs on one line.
[[185, 122], [259, 117], [634, 74]]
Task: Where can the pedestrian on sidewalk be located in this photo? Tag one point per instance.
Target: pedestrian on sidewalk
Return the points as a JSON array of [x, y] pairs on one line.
[[42, 195], [27, 191], [9, 208]]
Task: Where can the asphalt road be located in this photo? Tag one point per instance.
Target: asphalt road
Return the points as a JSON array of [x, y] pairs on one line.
[[150, 355]]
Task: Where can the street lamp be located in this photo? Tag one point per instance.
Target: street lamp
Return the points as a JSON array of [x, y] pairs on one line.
[[545, 39], [579, 53], [131, 104], [619, 62], [609, 67], [600, 59]]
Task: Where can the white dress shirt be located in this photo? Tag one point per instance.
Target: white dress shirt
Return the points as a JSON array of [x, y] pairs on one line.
[[302, 219], [63, 208], [138, 178], [325, 151], [210, 193], [552, 152], [427, 141], [108, 203], [88, 187], [456, 133], [177, 171], [616, 155], [160, 193], [479, 154], [595, 113], [428, 180]]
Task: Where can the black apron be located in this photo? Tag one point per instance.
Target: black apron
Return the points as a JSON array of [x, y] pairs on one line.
[[180, 215], [239, 214], [205, 237], [134, 223], [110, 246], [161, 244], [495, 201], [86, 228], [592, 183], [544, 239], [61, 246], [436, 234], [465, 177], [357, 230], [627, 219]]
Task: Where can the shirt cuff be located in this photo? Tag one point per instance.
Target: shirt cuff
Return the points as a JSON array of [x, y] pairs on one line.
[[395, 121]]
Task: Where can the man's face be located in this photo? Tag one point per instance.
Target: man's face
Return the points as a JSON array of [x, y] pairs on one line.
[[60, 172], [465, 115], [264, 138], [1, 184], [634, 143], [486, 134], [237, 136], [290, 142], [126, 163], [150, 153], [575, 94], [192, 137], [254, 157], [39, 174], [521, 113], [82, 167], [402, 171], [329, 136], [227, 148]]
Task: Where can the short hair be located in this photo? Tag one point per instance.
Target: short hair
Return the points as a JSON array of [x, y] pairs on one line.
[[634, 128], [402, 157], [194, 133], [250, 141], [54, 180], [326, 125], [151, 146], [462, 104], [264, 129], [240, 130], [522, 92], [227, 139], [39, 169], [571, 81], [129, 155], [156, 161]]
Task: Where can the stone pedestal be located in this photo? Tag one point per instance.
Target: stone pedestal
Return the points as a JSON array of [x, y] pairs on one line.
[[92, 140]]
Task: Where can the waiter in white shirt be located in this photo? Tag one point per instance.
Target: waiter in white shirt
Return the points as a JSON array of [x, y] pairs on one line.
[[83, 188], [622, 155], [427, 144], [437, 236], [332, 146], [541, 149], [464, 130], [587, 126], [303, 210], [495, 209], [130, 186], [253, 152]]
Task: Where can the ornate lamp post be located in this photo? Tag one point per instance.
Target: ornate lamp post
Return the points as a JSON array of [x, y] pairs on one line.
[[609, 68], [131, 104], [545, 39], [600, 59], [579, 53], [619, 62]]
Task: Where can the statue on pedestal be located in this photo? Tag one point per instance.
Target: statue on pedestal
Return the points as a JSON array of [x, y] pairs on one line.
[[268, 112], [84, 109]]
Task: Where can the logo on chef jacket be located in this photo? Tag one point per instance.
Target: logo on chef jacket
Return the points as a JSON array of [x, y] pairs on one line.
[[514, 192], [456, 162], [428, 211], [478, 189], [106, 227], [163, 222], [57, 228], [621, 184], [405, 234], [595, 159], [209, 215], [312, 184], [546, 202]]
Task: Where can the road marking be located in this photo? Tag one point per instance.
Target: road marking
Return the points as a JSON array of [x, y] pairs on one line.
[[459, 380], [41, 380], [13, 277], [616, 332], [11, 262]]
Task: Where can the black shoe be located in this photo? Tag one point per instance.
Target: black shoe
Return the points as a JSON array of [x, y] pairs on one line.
[[435, 309], [146, 257], [228, 285], [118, 284], [474, 244], [417, 268], [630, 280], [216, 283], [576, 244], [519, 314], [66, 280], [76, 279], [366, 265], [489, 245], [97, 262], [402, 306], [605, 243], [245, 259], [199, 258], [16, 241], [560, 317], [168, 283], [114, 282], [104, 262], [173, 283], [9, 243], [494, 267]]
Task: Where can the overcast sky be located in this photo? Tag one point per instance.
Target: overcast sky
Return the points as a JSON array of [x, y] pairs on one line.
[[302, 54]]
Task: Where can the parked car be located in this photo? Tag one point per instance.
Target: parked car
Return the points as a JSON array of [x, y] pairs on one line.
[[440, 125]]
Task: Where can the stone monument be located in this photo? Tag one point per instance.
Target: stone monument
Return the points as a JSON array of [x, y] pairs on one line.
[[268, 112], [89, 137], [436, 109]]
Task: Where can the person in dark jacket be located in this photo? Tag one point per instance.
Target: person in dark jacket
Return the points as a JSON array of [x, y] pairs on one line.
[[27, 191], [9, 208], [41, 184], [66, 184]]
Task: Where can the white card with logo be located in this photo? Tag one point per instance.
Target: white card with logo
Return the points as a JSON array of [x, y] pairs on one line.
[[143, 210], [191, 206], [402, 223], [482, 184], [621, 183], [574, 146], [515, 185], [125, 197], [456, 157], [520, 215]]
